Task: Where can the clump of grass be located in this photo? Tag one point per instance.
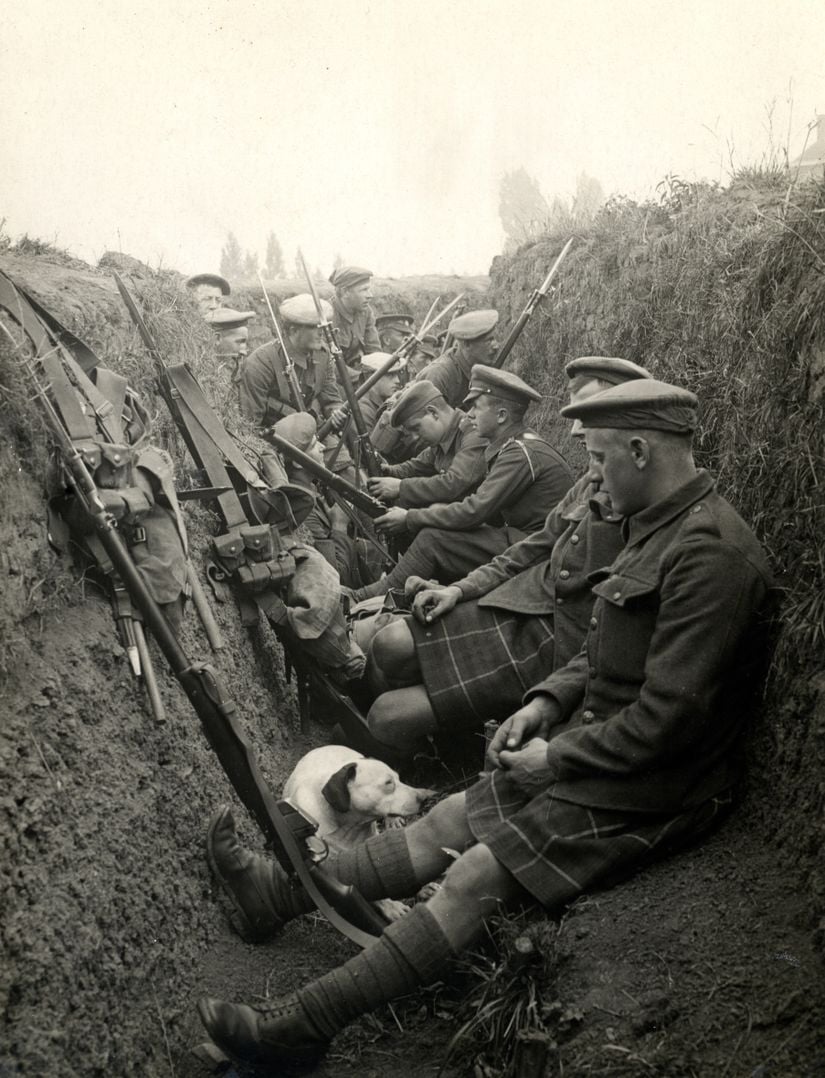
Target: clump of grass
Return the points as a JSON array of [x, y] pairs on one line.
[[509, 997]]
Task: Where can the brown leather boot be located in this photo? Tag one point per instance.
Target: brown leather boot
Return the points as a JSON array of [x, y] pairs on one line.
[[279, 1033], [261, 893]]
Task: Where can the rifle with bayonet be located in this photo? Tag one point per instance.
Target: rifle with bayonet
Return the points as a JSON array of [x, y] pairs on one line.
[[372, 462], [404, 349], [536, 296], [289, 366], [280, 823]]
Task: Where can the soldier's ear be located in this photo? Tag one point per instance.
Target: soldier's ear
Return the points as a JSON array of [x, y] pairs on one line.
[[640, 451], [336, 789]]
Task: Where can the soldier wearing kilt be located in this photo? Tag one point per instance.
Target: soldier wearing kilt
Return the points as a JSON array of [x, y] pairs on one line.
[[633, 746]]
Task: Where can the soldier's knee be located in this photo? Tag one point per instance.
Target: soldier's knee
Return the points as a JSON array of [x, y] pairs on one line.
[[446, 822], [392, 646], [478, 877]]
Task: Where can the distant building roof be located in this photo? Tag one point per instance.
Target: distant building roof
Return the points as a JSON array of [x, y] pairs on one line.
[[812, 160]]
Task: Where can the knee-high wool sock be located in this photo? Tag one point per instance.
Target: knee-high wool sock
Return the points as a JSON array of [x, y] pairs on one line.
[[381, 867], [411, 952]]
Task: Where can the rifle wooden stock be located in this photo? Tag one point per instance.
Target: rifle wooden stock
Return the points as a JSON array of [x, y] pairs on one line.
[[356, 497]]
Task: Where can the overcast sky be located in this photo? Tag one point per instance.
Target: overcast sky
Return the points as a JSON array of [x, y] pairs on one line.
[[377, 129]]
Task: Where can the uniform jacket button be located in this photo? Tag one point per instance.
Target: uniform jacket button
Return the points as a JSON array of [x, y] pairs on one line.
[[593, 623], [617, 595], [559, 601], [574, 539], [587, 717], [564, 574]]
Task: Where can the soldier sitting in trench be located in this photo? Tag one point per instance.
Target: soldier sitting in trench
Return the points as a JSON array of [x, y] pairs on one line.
[[525, 478], [632, 748], [473, 647]]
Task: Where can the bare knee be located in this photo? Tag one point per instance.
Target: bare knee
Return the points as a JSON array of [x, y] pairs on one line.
[[478, 879], [446, 823], [393, 647]]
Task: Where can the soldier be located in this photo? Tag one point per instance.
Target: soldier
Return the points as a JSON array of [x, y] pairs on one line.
[[631, 749], [207, 290], [374, 400], [232, 330], [327, 522], [452, 463], [265, 393], [472, 646], [424, 353], [475, 343], [526, 477], [393, 329], [352, 316]]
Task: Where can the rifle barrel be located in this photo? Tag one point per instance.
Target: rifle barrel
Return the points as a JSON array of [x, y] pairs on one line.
[[365, 502]]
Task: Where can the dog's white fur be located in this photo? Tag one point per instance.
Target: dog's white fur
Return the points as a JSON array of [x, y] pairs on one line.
[[347, 793]]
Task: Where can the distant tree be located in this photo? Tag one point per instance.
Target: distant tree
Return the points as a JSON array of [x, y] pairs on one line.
[[338, 263], [231, 258], [522, 207], [274, 264], [250, 264], [588, 199]]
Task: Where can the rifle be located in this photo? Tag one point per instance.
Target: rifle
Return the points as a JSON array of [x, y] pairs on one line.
[[372, 462], [217, 713], [289, 366], [356, 497], [404, 349], [536, 296]]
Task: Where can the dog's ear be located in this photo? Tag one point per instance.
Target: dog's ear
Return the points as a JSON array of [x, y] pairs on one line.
[[336, 790]]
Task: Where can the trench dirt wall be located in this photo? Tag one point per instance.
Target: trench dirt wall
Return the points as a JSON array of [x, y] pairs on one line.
[[107, 904], [722, 292]]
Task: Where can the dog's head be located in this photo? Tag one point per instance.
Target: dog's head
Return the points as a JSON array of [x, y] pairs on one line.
[[371, 790]]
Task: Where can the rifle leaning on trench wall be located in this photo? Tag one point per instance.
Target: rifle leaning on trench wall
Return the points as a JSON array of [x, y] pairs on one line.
[[284, 826], [536, 296], [279, 821]]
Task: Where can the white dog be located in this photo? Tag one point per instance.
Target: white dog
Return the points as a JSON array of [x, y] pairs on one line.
[[347, 793]]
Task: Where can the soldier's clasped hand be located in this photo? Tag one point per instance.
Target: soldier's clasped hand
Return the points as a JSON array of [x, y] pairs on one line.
[[393, 521], [534, 720]]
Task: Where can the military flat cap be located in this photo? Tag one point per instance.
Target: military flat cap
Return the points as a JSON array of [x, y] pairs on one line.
[[606, 369], [226, 318], [413, 401], [214, 279], [643, 404], [497, 383], [377, 359], [349, 276], [299, 428], [473, 324], [403, 322], [301, 310]]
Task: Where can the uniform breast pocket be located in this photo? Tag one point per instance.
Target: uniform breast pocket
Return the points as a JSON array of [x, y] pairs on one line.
[[627, 616]]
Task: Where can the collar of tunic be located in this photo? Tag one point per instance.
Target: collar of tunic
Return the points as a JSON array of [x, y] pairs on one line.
[[640, 525]]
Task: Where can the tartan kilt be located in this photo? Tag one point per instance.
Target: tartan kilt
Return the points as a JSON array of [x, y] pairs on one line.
[[557, 849], [477, 662]]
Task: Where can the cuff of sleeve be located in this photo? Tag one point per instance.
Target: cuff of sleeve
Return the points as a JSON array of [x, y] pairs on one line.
[[565, 698], [413, 521]]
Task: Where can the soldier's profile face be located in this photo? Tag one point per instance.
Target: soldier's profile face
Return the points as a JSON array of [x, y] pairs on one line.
[[208, 297], [233, 342], [358, 296], [583, 393], [484, 413], [391, 338], [614, 465], [387, 385], [481, 350]]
